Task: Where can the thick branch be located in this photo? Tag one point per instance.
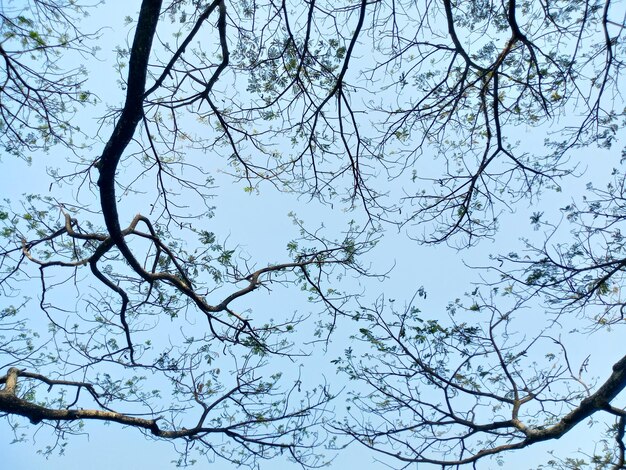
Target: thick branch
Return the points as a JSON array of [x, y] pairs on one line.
[[127, 123]]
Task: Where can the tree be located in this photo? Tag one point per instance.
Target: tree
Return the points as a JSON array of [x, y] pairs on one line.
[[406, 115]]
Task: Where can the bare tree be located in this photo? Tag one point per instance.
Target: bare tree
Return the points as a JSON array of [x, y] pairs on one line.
[[453, 392], [111, 357], [405, 113]]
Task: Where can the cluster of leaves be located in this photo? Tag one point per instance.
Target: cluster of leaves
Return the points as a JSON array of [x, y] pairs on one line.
[[40, 95]]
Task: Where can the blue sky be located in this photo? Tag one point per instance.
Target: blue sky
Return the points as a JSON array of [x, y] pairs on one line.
[[258, 223]]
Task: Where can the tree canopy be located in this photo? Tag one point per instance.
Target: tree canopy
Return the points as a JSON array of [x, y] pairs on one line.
[[444, 122]]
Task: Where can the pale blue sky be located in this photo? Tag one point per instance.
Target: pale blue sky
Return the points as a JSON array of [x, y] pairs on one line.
[[259, 224]]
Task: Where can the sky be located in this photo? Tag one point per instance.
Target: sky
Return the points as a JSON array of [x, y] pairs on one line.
[[258, 223]]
